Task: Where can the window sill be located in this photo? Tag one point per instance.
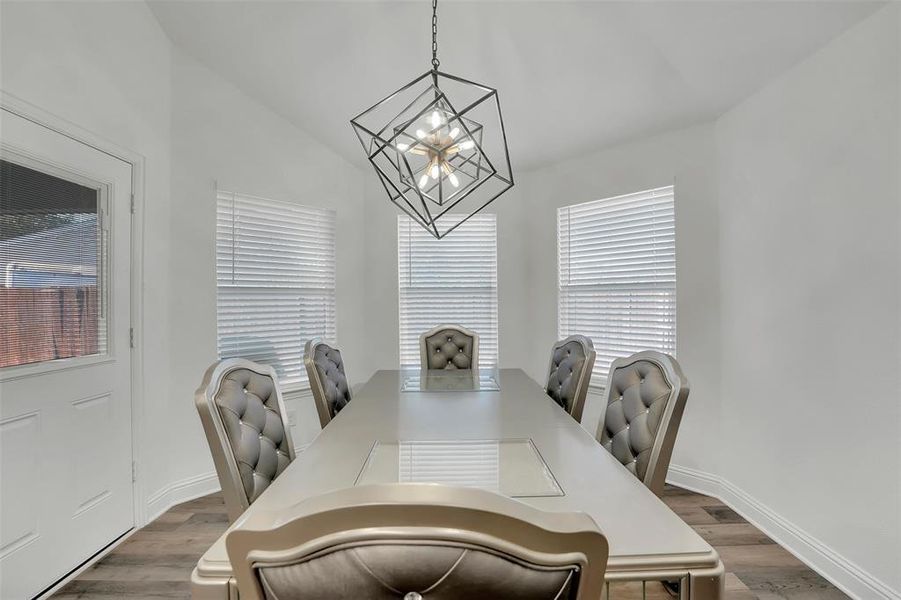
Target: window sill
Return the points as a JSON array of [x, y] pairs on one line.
[[296, 392]]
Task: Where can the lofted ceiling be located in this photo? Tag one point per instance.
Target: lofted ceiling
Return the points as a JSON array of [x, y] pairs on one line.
[[572, 76]]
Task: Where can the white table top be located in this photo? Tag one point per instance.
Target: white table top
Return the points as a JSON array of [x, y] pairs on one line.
[[643, 533]]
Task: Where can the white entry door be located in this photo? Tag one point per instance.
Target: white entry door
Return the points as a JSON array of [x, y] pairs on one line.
[[65, 367]]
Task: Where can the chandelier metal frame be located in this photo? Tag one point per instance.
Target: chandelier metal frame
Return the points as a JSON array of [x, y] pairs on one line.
[[432, 157]]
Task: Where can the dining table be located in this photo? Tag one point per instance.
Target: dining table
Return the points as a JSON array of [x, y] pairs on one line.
[[494, 429]]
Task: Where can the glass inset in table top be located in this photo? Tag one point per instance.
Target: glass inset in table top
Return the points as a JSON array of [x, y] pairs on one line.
[[453, 380], [512, 467]]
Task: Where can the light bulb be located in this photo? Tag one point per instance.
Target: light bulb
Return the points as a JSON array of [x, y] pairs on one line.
[[434, 171], [403, 147], [454, 132], [467, 145], [420, 133], [423, 180], [445, 166], [436, 119]]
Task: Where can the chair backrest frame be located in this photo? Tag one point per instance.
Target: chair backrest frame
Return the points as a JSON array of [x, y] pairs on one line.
[[582, 385], [411, 513], [316, 386], [423, 344], [233, 491], [665, 438]]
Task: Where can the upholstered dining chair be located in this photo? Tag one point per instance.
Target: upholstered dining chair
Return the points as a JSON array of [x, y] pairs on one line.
[[415, 542], [328, 382], [449, 347], [569, 373], [646, 395], [244, 418]]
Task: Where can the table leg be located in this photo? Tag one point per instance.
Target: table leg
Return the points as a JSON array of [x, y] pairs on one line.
[[706, 585], [212, 588]]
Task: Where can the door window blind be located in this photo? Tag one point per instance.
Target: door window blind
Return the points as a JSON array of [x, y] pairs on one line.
[[53, 259], [617, 275], [451, 280], [275, 281]]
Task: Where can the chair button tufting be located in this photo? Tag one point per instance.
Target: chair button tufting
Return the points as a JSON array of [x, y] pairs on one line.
[[413, 596]]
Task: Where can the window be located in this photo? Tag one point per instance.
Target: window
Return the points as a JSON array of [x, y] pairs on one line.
[[617, 275], [52, 264], [451, 280], [275, 281]]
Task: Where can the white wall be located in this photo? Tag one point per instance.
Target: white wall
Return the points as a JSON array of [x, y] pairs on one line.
[[687, 158], [789, 271], [809, 241], [789, 274], [106, 68], [222, 137], [109, 69]]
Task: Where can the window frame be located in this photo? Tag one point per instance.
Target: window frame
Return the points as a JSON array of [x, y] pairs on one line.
[[408, 233], [660, 236], [256, 284], [111, 352]]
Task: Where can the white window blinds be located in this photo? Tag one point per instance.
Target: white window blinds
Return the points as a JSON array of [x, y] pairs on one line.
[[451, 280], [617, 275], [275, 281]]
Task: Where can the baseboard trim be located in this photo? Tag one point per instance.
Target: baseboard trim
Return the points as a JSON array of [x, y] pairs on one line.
[[187, 489], [180, 491], [841, 572]]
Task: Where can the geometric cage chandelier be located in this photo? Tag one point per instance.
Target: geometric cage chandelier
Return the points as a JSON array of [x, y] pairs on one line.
[[438, 146]]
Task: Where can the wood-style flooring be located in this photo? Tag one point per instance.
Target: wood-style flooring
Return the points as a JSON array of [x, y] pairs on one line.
[[156, 562]]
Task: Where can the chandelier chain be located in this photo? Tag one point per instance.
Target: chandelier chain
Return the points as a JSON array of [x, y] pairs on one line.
[[435, 61]]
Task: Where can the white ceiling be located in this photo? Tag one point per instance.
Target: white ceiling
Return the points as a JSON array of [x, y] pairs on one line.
[[572, 76]]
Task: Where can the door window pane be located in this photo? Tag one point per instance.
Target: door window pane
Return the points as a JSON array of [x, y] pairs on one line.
[[51, 258]]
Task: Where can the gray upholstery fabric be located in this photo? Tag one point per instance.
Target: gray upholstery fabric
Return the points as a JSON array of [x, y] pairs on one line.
[[330, 368], [402, 571], [449, 349], [248, 406], [566, 368], [638, 397]]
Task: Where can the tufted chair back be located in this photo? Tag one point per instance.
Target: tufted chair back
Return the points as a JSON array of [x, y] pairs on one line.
[[569, 373], [244, 418], [328, 382], [646, 396], [417, 542], [449, 347]]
